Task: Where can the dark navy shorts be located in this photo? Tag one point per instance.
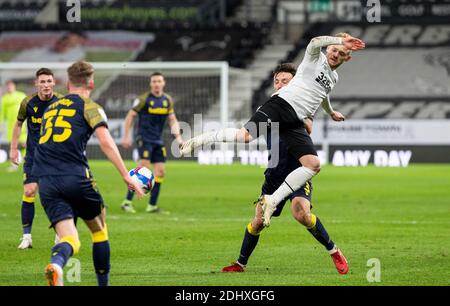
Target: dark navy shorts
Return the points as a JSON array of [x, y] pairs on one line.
[[291, 130], [155, 153], [64, 197], [270, 186]]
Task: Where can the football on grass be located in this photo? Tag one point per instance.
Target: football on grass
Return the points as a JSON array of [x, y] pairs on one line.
[[144, 177]]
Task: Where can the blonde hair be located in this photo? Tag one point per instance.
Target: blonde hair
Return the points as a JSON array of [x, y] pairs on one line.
[[80, 73], [343, 35]]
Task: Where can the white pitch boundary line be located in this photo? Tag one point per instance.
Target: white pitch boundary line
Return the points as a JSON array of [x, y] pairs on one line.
[[177, 219], [405, 222]]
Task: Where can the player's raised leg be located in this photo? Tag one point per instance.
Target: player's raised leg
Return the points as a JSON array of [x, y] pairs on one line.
[[68, 245], [228, 135], [301, 210]]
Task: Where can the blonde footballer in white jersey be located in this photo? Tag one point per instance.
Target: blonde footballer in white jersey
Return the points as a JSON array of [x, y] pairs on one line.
[[300, 99]]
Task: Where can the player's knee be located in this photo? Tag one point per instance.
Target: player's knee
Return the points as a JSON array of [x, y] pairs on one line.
[[243, 135], [74, 243], [313, 164], [101, 235], [302, 216], [29, 196], [256, 226], [160, 173]]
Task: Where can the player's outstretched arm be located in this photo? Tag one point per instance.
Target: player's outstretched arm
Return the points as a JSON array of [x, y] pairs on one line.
[[319, 42], [126, 140], [353, 43], [13, 152], [112, 152]]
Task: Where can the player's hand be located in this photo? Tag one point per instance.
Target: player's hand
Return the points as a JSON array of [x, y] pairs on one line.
[[14, 156], [133, 185], [337, 116], [126, 143], [353, 43]]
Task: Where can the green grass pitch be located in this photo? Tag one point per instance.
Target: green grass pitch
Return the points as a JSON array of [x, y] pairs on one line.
[[400, 216]]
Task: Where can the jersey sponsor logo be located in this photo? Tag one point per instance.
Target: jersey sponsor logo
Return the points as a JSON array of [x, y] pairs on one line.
[[158, 111], [36, 120], [324, 82]]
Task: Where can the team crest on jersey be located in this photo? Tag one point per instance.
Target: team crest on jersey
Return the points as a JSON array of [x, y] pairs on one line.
[[152, 103], [165, 103], [35, 109]]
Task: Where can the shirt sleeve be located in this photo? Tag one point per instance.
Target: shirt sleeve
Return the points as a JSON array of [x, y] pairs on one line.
[[317, 43], [171, 109], [139, 103], [22, 115], [326, 105], [95, 115]]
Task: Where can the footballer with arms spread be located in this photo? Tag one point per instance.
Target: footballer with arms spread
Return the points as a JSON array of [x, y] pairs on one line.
[[290, 106], [300, 200]]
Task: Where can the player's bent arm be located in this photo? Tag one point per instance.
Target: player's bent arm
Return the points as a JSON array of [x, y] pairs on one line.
[[129, 119], [13, 152], [336, 116], [326, 105], [175, 128], [112, 152]]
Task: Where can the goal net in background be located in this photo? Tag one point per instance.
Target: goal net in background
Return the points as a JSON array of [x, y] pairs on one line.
[[199, 90]]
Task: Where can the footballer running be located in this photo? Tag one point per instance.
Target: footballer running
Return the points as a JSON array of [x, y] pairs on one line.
[[66, 185]]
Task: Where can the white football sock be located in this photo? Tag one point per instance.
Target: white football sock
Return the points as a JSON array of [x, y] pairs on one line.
[[333, 250], [225, 135], [292, 183]]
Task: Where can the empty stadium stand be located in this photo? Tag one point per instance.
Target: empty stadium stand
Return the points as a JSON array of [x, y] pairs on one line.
[[378, 82]]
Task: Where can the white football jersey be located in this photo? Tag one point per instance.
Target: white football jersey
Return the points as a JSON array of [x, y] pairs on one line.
[[313, 81]]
